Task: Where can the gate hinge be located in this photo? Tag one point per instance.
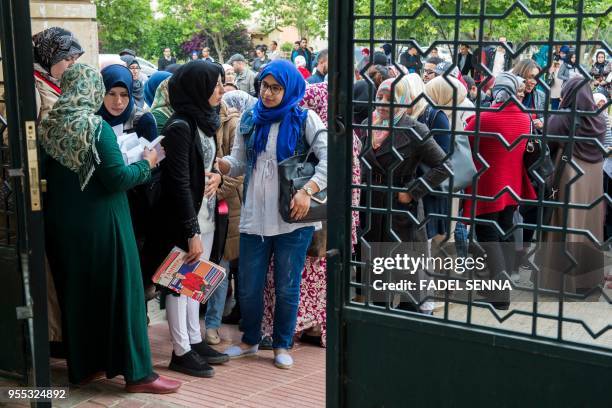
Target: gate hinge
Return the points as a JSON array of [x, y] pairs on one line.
[[24, 312], [16, 172]]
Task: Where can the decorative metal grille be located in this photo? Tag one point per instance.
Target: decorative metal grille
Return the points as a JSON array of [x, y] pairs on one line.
[[568, 316], [7, 200]]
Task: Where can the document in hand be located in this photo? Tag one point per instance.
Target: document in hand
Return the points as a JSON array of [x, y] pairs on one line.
[[132, 147], [197, 280]]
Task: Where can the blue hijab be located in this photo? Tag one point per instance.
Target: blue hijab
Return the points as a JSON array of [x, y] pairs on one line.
[[152, 85], [288, 112], [113, 76]]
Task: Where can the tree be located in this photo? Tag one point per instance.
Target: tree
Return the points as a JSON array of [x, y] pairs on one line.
[[167, 32], [124, 24], [308, 16], [517, 27], [214, 18]]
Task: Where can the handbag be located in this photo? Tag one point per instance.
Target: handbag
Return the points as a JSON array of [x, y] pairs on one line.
[[462, 164], [318, 245], [220, 235], [293, 173], [533, 153], [461, 161]]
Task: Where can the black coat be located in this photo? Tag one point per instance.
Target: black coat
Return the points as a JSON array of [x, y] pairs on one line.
[[413, 151], [490, 55], [162, 63], [470, 63], [182, 185]]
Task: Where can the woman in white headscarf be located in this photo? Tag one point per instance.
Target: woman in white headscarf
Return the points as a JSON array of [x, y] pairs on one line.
[[239, 100], [300, 63]]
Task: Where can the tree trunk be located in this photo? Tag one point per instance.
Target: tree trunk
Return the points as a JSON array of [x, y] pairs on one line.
[[219, 45]]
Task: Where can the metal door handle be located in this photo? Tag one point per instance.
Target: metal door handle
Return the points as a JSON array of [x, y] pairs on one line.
[[30, 128]]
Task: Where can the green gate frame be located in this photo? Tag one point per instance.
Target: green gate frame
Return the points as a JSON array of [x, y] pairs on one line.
[[379, 359]]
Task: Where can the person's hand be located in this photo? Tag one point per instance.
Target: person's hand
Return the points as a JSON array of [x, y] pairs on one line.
[[195, 249], [300, 204], [222, 165], [404, 198], [150, 155], [212, 185]]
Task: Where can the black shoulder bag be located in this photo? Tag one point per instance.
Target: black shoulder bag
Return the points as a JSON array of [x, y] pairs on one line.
[[293, 173]]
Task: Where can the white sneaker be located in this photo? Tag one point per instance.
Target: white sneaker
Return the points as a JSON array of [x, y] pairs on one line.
[[235, 351], [282, 359]]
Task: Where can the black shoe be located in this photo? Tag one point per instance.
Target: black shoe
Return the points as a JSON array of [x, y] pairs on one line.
[[192, 364], [309, 339], [209, 354], [265, 343], [233, 317]]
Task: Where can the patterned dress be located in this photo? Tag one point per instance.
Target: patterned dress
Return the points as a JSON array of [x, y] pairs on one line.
[[313, 290]]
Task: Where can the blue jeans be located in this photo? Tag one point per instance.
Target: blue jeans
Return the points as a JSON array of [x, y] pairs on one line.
[[216, 303], [289, 252]]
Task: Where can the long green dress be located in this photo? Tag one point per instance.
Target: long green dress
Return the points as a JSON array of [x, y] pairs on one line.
[[96, 267]]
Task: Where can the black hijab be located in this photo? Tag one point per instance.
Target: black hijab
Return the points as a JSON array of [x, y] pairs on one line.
[[53, 45], [576, 92], [190, 88]]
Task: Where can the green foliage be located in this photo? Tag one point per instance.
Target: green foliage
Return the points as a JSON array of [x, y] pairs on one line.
[[167, 32], [308, 16], [286, 47], [516, 27], [213, 17], [124, 24]]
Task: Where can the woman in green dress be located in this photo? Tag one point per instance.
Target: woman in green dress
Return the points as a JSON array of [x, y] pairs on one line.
[[91, 242]]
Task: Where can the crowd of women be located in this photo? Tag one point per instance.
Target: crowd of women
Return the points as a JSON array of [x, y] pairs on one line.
[[507, 176], [110, 225], [216, 194]]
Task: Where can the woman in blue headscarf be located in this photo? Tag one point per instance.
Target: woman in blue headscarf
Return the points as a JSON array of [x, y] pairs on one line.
[[152, 85], [274, 129], [119, 108]]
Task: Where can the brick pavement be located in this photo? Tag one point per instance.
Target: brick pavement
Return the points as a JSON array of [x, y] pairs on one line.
[[251, 382]]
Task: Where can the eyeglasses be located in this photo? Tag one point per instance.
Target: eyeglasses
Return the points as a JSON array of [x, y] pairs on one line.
[[274, 89], [429, 72]]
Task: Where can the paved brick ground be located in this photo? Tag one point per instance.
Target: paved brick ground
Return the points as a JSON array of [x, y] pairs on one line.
[[249, 382]]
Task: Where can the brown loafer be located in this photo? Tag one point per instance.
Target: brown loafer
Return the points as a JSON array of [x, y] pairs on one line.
[[162, 385]]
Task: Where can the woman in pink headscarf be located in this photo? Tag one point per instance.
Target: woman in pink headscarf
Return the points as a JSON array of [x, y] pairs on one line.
[[312, 318]]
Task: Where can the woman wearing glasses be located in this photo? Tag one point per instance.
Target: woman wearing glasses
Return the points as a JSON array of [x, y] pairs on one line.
[[186, 209], [273, 130]]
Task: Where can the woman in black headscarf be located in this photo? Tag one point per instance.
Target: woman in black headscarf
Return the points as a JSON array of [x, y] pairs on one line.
[[586, 155], [187, 203], [55, 49]]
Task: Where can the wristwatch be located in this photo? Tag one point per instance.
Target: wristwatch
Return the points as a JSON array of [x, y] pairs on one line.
[[308, 191]]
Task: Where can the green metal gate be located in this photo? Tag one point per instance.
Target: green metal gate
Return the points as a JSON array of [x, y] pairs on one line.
[[384, 357], [24, 346]]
